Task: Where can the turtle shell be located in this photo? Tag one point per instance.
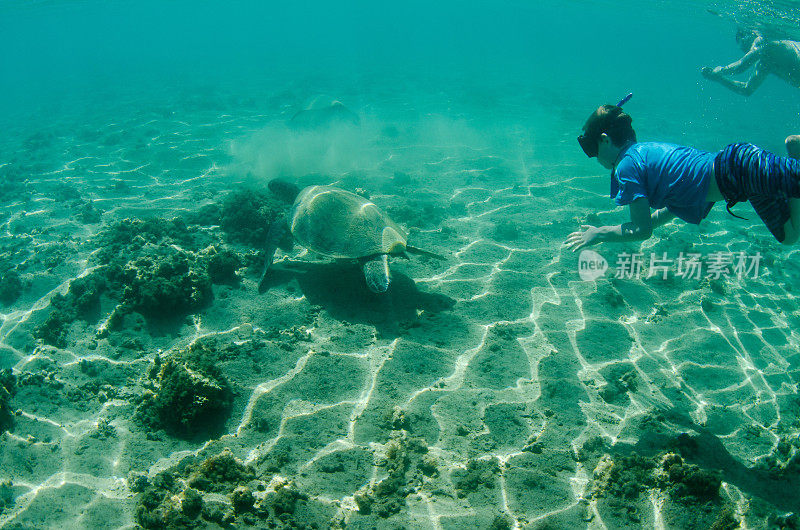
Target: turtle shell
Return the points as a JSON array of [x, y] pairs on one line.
[[340, 224]]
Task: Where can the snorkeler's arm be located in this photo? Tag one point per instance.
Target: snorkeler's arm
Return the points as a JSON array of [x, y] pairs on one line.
[[741, 87], [752, 57], [661, 217], [639, 228], [747, 60]]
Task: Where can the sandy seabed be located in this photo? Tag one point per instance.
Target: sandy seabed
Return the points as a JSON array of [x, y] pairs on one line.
[[495, 389]]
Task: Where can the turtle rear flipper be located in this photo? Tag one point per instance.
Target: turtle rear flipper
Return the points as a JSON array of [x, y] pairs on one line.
[[420, 252], [376, 273], [275, 235]]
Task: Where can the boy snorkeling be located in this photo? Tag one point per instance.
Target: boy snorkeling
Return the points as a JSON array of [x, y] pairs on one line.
[[684, 182]]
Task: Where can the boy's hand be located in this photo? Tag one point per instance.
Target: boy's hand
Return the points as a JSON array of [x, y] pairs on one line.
[[583, 238]]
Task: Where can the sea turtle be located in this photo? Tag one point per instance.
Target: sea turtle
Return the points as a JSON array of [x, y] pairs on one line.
[[340, 224], [321, 113]]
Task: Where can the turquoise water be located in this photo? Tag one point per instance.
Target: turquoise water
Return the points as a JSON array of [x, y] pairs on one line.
[[148, 381]]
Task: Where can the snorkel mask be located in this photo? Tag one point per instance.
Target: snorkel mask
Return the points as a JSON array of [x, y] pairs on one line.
[[589, 139]]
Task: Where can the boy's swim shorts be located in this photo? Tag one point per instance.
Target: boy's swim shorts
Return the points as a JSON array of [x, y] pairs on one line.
[[746, 172]]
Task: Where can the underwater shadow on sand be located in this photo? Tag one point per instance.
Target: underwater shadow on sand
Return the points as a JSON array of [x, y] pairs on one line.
[[340, 289]]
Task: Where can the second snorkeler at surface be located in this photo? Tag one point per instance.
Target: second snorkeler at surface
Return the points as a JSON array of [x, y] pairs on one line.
[[684, 182]]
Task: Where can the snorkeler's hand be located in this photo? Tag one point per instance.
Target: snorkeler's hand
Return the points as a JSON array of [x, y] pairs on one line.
[[586, 236], [711, 73]]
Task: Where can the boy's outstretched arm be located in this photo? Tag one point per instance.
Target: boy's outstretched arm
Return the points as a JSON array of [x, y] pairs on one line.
[[740, 87], [639, 228], [739, 66]]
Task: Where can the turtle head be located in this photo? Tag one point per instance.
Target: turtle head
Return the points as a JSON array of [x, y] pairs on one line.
[[286, 191]]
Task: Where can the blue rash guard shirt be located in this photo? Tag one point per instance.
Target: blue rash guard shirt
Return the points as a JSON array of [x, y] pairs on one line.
[[667, 175]]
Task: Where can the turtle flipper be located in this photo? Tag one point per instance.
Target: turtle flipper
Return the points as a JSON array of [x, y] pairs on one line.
[[376, 273], [420, 252], [277, 231]]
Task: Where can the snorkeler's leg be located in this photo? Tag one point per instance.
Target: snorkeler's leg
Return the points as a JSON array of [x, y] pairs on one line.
[[771, 183], [792, 227], [793, 146]]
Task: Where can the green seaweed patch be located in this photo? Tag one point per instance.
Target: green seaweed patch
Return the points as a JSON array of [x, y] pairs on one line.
[[6, 495], [104, 430], [221, 473], [8, 387], [407, 461], [64, 192], [191, 496], [687, 481], [11, 287], [627, 477], [51, 255], [247, 213], [123, 240], [477, 473], [783, 462], [166, 284], [206, 215], [187, 395], [242, 499], [145, 268], [222, 266], [624, 477], [161, 503]]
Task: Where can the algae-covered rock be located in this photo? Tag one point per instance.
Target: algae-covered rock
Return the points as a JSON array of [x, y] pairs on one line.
[[187, 403], [242, 499], [7, 389], [282, 501], [220, 473], [163, 268], [189, 396], [159, 268], [6, 495], [191, 503], [166, 285], [628, 476], [88, 213], [164, 503], [222, 266], [220, 491], [478, 473], [625, 476], [406, 464], [81, 302], [247, 214], [121, 241], [688, 481]]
